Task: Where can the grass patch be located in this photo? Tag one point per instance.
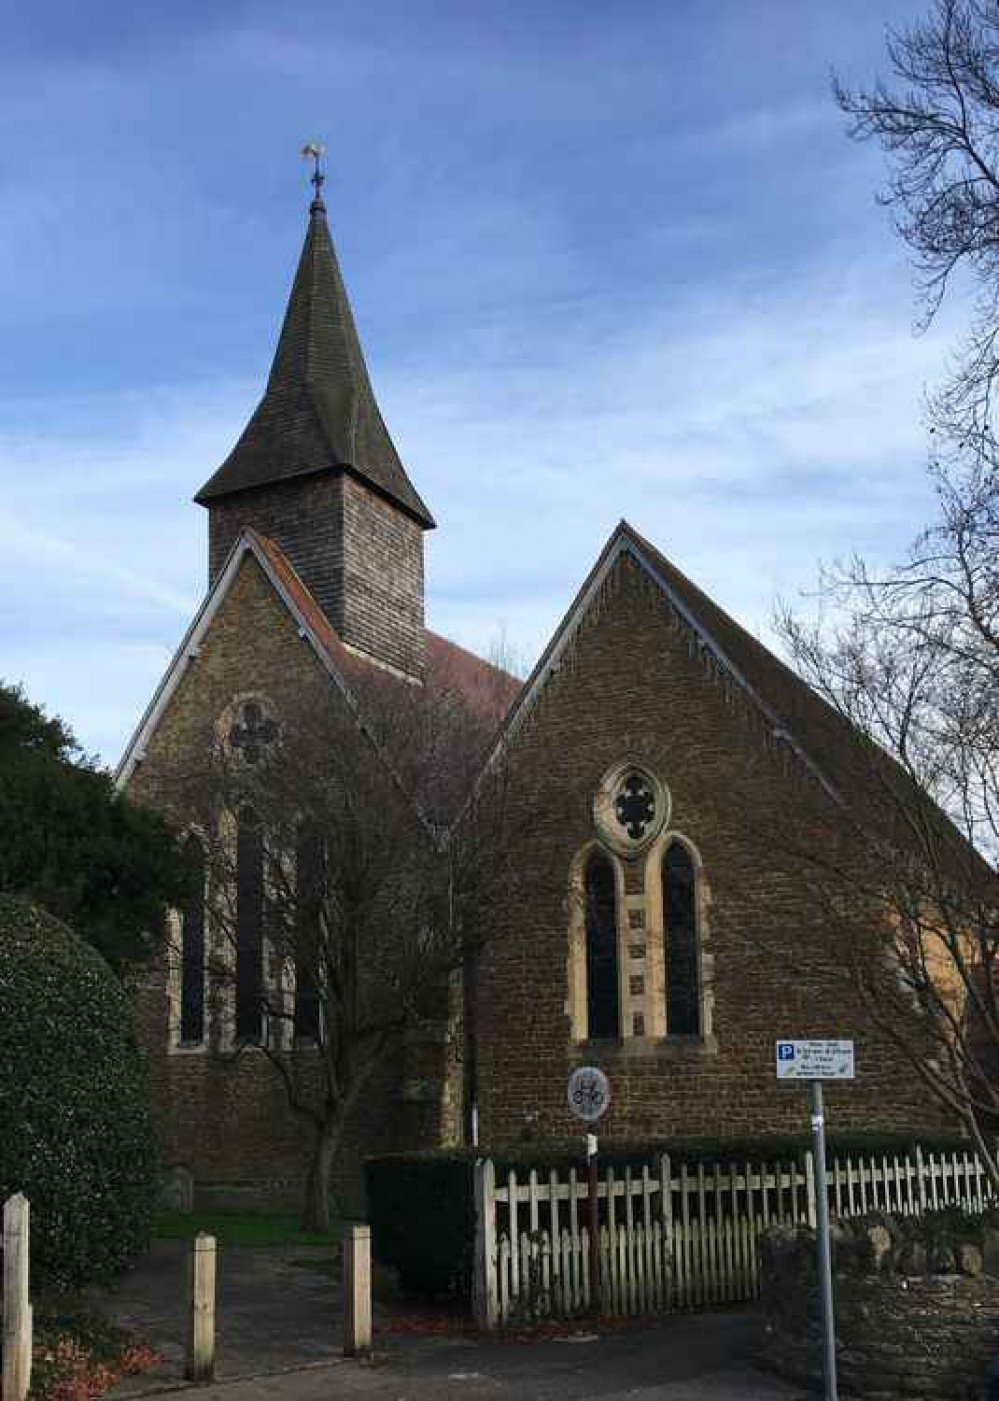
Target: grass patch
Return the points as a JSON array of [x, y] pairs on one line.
[[240, 1228]]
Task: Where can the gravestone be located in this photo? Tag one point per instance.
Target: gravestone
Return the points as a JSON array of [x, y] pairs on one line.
[[178, 1190]]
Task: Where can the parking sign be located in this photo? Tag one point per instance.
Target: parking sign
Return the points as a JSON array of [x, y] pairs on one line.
[[815, 1060]]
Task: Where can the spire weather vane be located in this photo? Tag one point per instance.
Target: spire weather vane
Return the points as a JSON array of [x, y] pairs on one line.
[[314, 151]]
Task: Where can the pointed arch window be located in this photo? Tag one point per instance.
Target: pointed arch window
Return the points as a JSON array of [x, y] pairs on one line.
[[192, 946], [602, 1002], [308, 930], [249, 927], [683, 995]]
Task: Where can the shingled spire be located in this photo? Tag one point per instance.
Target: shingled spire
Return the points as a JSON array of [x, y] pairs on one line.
[[316, 471], [319, 410]]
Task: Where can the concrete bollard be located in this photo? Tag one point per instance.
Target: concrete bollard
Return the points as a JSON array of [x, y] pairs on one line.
[[16, 1298], [200, 1365], [357, 1292]]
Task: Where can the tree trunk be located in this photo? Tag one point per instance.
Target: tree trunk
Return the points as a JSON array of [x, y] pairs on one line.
[[316, 1207]]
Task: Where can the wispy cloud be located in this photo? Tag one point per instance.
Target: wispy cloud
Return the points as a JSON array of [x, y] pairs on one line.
[[760, 129], [747, 439], [610, 262]]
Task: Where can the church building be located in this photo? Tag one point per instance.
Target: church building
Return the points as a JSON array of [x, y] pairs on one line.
[[658, 928]]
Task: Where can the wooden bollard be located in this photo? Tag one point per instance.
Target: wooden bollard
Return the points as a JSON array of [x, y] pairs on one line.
[[16, 1298], [357, 1292], [201, 1299], [485, 1294]]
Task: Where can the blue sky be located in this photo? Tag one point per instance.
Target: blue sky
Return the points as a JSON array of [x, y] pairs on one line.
[[606, 260]]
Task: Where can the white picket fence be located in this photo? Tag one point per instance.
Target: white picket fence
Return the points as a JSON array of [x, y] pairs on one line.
[[677, 1238]]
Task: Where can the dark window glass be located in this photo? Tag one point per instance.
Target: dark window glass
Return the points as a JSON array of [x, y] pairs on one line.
[[192, 946], [601, 949], [249, 927], [309, 869], [683, 1016]]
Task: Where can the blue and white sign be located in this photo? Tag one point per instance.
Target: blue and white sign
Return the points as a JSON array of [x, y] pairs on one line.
[[589, 1093], [815, 1060]]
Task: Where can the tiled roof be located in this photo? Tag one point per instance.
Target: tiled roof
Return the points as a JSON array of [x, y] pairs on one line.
[[863, 776], [485, 689], [319, 411]]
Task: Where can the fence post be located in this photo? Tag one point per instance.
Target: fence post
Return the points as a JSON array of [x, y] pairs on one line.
[[200, 1364], [486, 1296], [357, 1292], [16, 1298], [921, 1180], [810, 1200]]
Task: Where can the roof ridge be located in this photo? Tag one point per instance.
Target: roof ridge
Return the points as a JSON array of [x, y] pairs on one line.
[[697, 598]]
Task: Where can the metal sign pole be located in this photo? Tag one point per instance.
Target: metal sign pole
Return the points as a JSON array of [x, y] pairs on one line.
[[591, 1172], [589, 1095], [825, 1254]]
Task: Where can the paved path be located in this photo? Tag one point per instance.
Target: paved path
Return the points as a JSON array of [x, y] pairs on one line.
[[279, 1338], [271, 1313]]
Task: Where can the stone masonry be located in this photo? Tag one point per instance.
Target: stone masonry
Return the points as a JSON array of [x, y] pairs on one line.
[[225, 1118], [634, 683], [916, 1302]]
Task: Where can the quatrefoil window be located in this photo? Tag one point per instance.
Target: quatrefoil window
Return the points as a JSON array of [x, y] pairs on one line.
[[251, 731], [630, 808]]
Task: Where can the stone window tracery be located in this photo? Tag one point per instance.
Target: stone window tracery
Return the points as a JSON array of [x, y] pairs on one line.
[[252, 732], [635, 806], [637, 967], [630, 808], [247, 730]]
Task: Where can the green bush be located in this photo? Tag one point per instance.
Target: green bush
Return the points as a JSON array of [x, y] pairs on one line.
[[75, 1135], [421, 1206]]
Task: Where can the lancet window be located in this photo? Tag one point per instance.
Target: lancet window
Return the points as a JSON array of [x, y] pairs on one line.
[[602, 998], [679, 902], [308, 931], [192, 946], [249, 927]]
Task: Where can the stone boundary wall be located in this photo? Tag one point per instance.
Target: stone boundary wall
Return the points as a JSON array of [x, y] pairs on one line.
[[917, 1305]]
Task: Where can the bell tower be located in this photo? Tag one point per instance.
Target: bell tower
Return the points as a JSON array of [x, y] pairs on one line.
[[316, 470]]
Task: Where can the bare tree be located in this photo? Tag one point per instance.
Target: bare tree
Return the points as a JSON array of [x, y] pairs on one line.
[[342, 893], [939, 127], [910, 894], [910, 657]]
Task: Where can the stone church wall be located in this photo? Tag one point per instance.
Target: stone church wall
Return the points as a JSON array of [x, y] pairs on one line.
[[224, 1118], [632, 684]]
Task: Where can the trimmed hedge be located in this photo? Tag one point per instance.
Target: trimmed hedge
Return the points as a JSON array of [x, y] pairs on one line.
[[75, 1134], [421, 1206]]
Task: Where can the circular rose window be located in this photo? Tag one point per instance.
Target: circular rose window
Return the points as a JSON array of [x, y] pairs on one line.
[[631, 807]]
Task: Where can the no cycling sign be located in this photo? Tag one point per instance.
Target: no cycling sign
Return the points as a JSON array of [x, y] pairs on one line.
[[589, 1093]]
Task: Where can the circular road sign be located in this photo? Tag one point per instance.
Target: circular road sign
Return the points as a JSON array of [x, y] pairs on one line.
[[589, 1093]]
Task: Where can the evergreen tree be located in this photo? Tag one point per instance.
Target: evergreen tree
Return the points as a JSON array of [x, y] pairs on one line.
[[70, 843]]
